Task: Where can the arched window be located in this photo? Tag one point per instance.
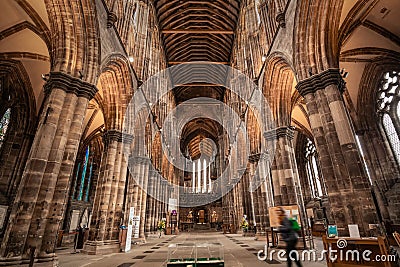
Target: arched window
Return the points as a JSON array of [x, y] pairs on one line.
[[388, 107], [4, 123], [317, 187], [257, 6], [83, 177]]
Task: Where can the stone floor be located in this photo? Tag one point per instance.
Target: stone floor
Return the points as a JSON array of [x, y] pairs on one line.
[[238, 251]]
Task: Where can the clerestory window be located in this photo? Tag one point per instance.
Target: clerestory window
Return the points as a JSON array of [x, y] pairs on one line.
[[388, 106], [314, 176], [4, 125]]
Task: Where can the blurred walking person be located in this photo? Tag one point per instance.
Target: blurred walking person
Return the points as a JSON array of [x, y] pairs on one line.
[[290, 236]]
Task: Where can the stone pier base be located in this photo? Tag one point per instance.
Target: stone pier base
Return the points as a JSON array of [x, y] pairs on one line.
[[101, 247], [50, 260]]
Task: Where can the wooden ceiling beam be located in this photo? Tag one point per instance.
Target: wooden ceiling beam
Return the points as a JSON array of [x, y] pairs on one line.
[[172, 31], [196, 62], [199, 85]]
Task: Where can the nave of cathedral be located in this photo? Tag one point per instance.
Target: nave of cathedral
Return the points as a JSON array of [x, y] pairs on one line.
[[122, 120]]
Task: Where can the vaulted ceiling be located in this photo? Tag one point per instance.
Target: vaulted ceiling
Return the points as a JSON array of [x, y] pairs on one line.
[[373, 32], [25, 38]]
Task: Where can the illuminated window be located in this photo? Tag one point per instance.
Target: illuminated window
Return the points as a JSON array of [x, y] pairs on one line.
[[257, 4], [314, 176], [4, 123], [83, 177], [389, 107]]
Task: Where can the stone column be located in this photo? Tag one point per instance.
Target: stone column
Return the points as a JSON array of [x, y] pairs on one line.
[[259, 199], [266, 187], [107, 208], [143, 199], [348, 187], [382, 168], [122, 183], [40, 201], [150, 202], [157, 205], [282, 169], [139, 181]]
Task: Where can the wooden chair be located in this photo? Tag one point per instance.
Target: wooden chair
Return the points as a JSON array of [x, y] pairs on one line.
[[396, 236]]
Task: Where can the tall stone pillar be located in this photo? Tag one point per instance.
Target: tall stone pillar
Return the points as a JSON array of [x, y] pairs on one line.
[[258, 194], [157, 205], [143, 197], [40, 201], [138, 187], [150, 211], [347, 184], [266, 188], [283, 171], [382, 168], [107, 207]]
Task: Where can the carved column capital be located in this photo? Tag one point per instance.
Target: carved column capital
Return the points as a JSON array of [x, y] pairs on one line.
[[321, 81], [280, 18], [284, 131], [138, 160], [118, 136], [70, 84], [265, 156], [254, 157], [111, 19]]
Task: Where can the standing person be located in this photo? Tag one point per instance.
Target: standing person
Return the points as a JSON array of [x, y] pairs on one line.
[[290, 236], [79, 243], [76, 238]]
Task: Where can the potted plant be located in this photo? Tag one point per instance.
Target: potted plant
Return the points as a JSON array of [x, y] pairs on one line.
[[244, 225], [161, 227]]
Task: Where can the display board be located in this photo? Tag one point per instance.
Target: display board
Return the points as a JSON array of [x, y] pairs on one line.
[[353, 230], [136, 225], [74, 220], [291, 212], [172, 204], [129, 230], [332, 231]]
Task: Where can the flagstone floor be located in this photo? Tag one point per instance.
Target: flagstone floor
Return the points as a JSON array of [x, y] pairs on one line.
[[238, 251]]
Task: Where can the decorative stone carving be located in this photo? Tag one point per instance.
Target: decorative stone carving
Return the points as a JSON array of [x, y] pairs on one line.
[[70, 84], [111, 19], [283, 131], [118, 136], [280, 18], [321, 81]]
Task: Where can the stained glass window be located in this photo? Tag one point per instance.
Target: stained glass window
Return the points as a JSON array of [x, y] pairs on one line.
[[389, 106], [4, 123], [89, 180], [83, 176], [76, 180]]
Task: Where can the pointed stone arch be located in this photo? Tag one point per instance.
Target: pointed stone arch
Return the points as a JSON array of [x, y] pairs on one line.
[[316, 36], [278, 84], [72, 39], [117, 84]]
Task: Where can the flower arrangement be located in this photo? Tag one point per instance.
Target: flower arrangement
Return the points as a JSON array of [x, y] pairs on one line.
[[244, 224], [161, 226]]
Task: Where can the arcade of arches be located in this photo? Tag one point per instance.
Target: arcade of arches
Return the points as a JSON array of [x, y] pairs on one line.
[[329, 70]]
